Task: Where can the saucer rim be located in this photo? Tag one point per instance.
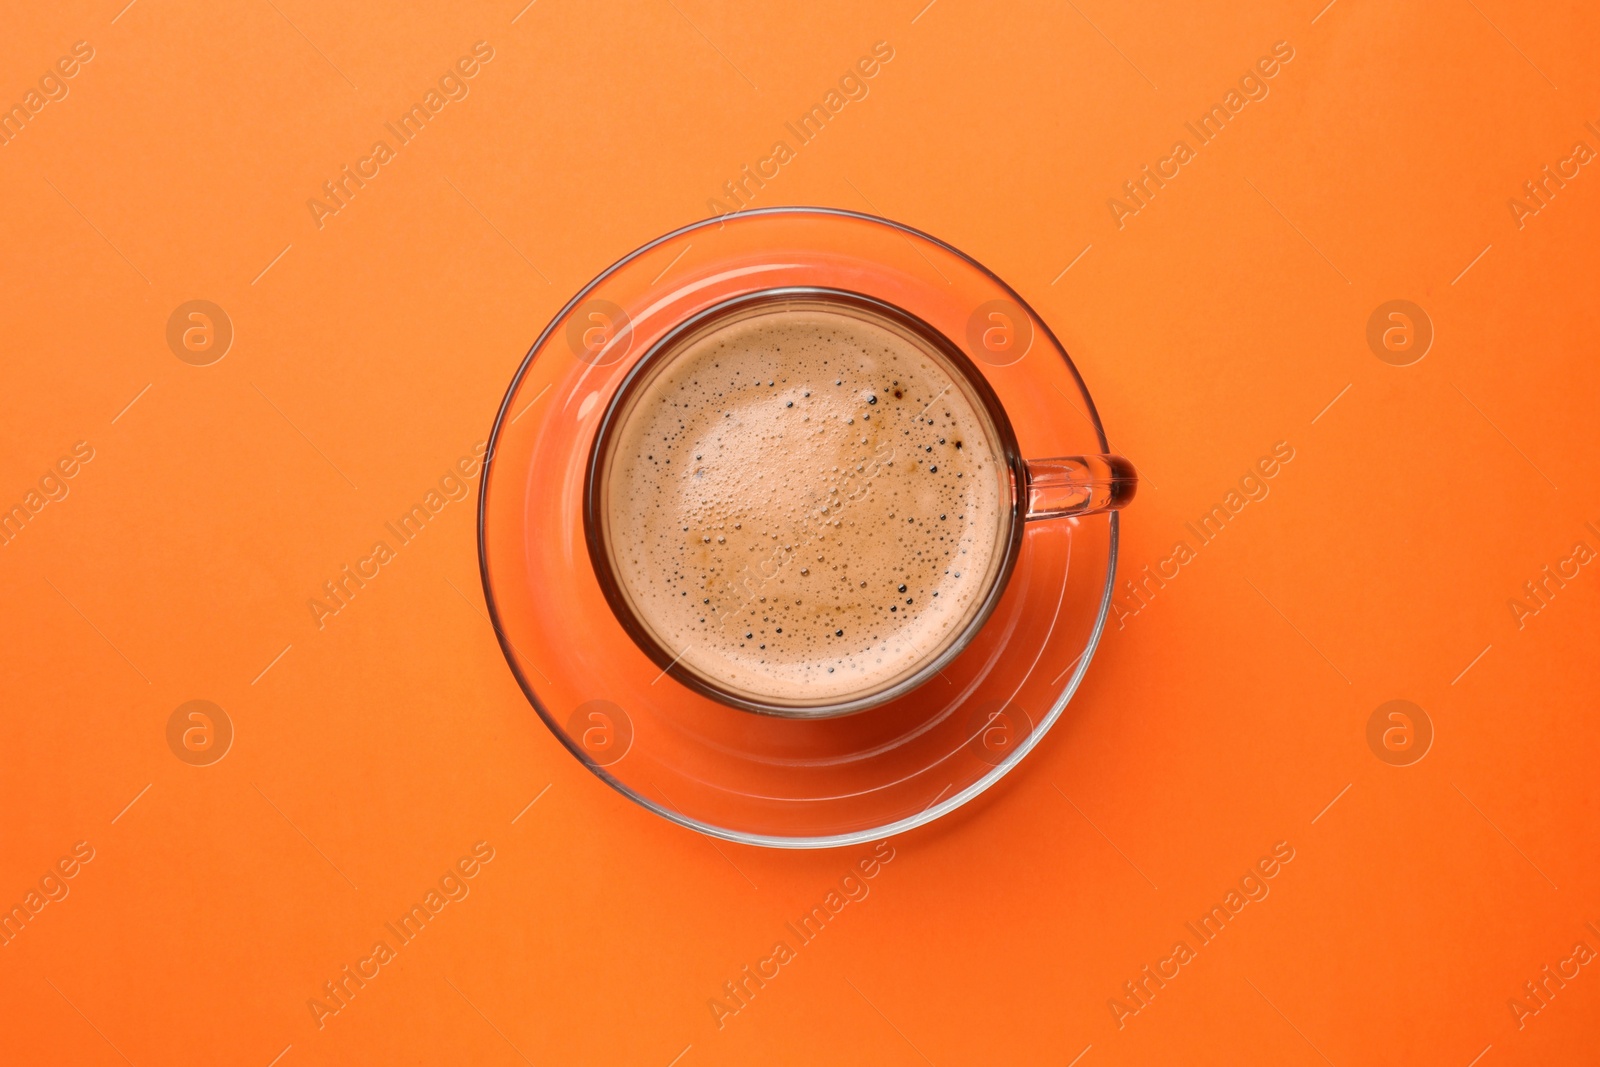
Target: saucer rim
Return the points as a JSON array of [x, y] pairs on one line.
[[854, 837]]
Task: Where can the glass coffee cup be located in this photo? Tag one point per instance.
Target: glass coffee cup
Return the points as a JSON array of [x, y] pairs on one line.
[[703, 565]]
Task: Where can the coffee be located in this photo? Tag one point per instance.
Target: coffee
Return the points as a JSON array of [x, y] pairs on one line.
[[805, 503]]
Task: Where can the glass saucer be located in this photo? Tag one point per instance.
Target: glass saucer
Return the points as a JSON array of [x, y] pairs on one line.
[[733, 774]]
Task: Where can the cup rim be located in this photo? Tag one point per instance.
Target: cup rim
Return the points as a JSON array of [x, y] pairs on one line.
[[940, 807], [643, 371]]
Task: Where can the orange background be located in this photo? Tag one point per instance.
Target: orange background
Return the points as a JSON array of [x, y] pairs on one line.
[[1222, 718]]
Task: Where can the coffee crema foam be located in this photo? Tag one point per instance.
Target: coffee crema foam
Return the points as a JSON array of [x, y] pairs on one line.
[[805, 506]]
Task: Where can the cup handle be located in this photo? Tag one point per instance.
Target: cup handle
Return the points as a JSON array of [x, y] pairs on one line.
[[1078, 485]]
